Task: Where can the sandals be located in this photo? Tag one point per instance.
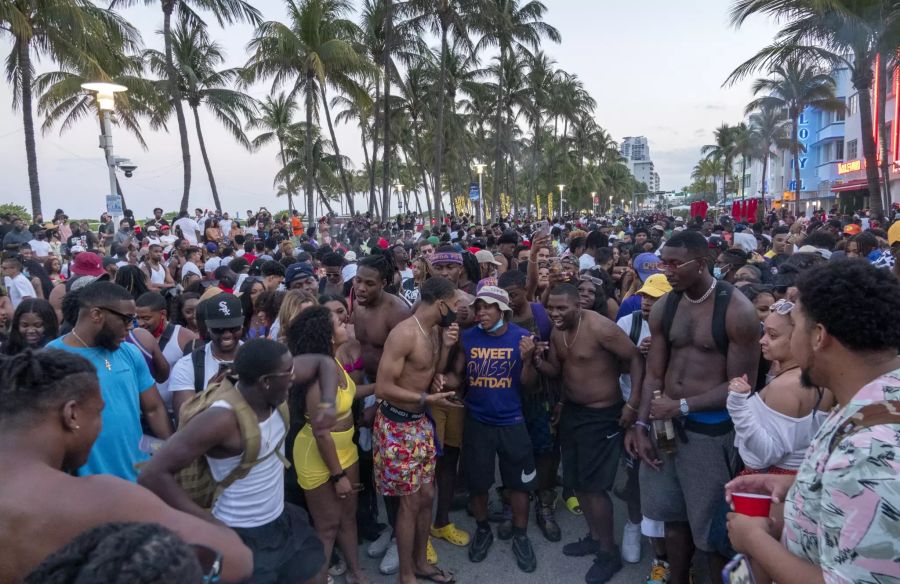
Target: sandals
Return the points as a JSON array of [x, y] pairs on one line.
[[439, 577]]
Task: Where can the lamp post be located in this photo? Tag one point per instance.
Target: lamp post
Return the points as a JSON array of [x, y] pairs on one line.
[[594, 201], [479, 208], [106, 101], [623, 204], [562, 188], [610, 205], [400, 202]]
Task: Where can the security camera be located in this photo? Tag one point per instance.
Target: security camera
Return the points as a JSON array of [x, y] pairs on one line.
[[127, 166]]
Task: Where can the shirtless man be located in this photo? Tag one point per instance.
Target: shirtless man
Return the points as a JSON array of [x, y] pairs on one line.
[[586, 349], [403, 435], [691, 360]]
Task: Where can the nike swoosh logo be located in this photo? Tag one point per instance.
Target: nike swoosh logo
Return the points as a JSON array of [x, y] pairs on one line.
[[613, 435], [527, 478]]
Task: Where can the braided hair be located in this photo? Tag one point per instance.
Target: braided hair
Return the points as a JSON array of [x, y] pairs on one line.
[[119, 553], [382, 261], [32, 381]]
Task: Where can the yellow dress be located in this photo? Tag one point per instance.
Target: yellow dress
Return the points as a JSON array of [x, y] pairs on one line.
[[312, 472]]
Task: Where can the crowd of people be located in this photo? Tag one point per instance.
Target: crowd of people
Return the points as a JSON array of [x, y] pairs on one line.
[[202, 398]]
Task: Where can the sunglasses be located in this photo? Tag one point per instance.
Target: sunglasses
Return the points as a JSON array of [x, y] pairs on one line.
[[673, 265], [222, 331], [782, 307], [127, 319], [210, 563]]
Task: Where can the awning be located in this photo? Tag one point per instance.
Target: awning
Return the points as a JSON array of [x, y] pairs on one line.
[[853, 185]]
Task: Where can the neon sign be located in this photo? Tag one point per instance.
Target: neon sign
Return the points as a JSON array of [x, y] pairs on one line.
[[850, 166]]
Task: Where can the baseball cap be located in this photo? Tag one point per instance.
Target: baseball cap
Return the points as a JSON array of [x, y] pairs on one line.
[[646, 264], [298, 271], [894, 233], [493, 295], [87, 263], [812, 249], [212, 247], [222, 311], [152, 228], [852, 229], [350, 256], [655, 286], [485, 257]]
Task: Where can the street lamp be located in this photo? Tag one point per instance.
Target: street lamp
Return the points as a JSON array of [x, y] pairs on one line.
[[399, 188], [594, 201], [479, 208], [106, 101], [610, 205], [623, 204], [561, 189]]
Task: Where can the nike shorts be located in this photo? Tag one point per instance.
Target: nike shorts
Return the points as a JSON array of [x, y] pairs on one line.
[[483, 444], [591, 444]]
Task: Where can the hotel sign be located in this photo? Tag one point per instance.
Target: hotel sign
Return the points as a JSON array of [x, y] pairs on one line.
[[850, 166]]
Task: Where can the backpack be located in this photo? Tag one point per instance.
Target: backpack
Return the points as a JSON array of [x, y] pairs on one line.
[[723, 293], [637, 321], [166, 336], [196, 479], [198, 360]]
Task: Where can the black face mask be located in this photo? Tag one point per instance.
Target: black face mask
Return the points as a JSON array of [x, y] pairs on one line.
[[447, 319]]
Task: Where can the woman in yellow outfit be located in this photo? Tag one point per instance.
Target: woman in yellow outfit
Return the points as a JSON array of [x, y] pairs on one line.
[[326, 463]]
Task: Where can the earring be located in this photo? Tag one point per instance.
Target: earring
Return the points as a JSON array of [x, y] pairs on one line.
[[78, 427]]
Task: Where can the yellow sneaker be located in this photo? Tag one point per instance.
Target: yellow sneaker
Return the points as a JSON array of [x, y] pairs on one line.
[[451, 534], [573, 506], [430, 554]]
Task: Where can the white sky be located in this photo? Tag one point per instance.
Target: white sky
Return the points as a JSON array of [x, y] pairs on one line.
[[655, 68]]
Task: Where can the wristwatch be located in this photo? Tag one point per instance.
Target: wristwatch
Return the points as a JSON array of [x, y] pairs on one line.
[[683, 407], [337, 477]]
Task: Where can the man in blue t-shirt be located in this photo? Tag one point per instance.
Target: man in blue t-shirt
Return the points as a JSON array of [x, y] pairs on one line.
[[105, 315], [495, 362]]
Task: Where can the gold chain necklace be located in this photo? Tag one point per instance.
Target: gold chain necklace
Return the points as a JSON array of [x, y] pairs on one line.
[[577, 330], [426, 335], [86, 346]]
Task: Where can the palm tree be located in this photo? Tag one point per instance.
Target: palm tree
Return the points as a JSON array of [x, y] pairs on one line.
[[196, 58], [359, 107], [745, 146], [315, 41], [772, 128], [722, 150], [793, 87], [276, 120], [225, 12], [841, 34], [74, 33], [706, 173], [514, 28]]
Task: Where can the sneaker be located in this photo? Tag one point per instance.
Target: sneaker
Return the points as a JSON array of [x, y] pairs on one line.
[[378, 547], [573, 506], [547, 522], [430, 553], [480, 545], [631, 543], [585, 546], [659, 572], [525, 558], [452, 534], [605, 566], [338, 566], [390, 563]]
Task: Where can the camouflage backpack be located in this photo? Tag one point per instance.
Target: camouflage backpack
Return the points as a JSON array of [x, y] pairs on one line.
[[196, 478]]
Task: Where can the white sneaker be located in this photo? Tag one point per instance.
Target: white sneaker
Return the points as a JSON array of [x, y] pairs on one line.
[[390, 563], [378, 547], [631, 543]]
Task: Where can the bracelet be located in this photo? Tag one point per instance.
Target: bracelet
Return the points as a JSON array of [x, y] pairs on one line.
[[325, 405], [643, 425], [630, 407], [337, 477]]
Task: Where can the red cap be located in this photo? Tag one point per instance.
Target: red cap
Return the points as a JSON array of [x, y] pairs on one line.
[[87, 264], [382, 243]]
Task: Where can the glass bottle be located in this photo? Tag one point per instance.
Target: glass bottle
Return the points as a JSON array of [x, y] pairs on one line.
[[664, 430]]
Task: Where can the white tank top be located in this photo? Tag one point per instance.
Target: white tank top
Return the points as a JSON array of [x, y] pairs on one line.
[[172, 353], [157, 276], [258, 498]]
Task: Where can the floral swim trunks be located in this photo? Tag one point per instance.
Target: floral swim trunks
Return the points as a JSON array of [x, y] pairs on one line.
[[404, 451]]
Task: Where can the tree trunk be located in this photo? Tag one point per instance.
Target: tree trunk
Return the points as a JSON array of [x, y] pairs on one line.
[[869, 148], [28, 124], [337, 152], [421, 163], [765, 171], [287, 182], [743, 177], [884, 138], [376, 127], [439, 131], [386, 138], [366, 162], [121, 194], [795, 140], [175, 94], [415, 190], [498, 133], [323, 198], [310, 170], [209, 172]]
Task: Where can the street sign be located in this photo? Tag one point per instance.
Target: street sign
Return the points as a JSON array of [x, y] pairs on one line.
[[474, 193], [114, 204]]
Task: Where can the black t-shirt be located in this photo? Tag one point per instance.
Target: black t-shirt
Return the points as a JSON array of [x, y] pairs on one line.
[[81, 239]]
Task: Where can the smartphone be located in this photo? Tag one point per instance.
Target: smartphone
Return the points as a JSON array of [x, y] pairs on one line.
[[541, 229], [737, 571]]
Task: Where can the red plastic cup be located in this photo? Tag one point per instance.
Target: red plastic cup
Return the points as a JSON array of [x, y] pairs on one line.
[[752, 504]]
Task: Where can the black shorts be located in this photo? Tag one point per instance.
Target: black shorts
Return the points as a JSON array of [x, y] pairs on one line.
[[285, 550], [590, 446], [483, 444]]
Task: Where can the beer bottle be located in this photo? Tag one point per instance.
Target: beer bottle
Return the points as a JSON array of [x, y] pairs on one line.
[[664, 430]]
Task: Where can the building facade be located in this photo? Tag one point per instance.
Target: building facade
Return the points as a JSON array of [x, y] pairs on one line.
[[636, 151]]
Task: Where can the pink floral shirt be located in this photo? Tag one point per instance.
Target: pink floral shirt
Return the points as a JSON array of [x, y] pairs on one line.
[[843, 511]]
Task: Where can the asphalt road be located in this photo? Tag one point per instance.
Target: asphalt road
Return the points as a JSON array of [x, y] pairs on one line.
[[500, 565]]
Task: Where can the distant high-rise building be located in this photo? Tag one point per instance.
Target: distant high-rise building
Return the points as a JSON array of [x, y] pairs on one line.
[[636, 151], [635, 148]]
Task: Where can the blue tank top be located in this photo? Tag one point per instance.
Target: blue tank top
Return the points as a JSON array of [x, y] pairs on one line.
[[493, 375]]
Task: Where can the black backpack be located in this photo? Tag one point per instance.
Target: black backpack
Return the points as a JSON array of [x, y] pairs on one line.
[[723, 293], [637, 320], [198, 359]]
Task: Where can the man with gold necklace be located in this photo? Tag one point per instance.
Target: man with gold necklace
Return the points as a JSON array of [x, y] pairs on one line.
[[106, 314]]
